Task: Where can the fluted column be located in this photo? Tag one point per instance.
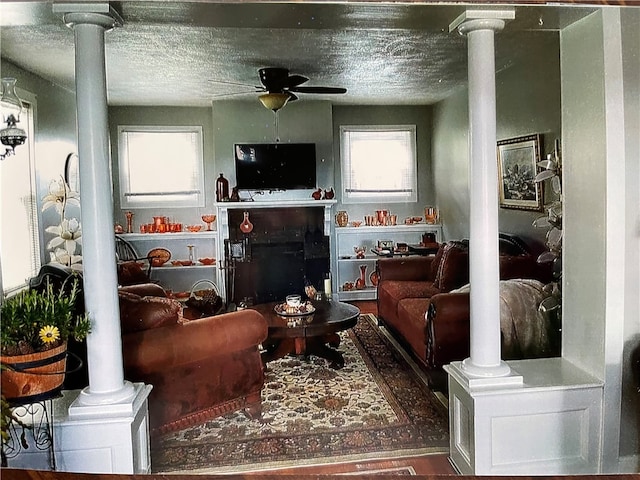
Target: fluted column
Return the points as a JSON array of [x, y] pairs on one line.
[[480, 26], [104, 345]]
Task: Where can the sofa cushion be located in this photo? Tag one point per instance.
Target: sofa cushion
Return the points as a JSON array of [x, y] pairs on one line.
[[142, 313], [453, 269], [413, 324], [132, 273], [407, 289]]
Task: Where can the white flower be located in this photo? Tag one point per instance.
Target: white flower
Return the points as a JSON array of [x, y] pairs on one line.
[[61, 256], [68, 234], [59, 196]]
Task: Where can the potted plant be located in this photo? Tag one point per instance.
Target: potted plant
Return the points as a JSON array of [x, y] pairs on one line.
[[552, 221], [36, 325]]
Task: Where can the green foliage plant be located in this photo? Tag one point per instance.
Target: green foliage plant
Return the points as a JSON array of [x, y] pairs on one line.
[[29, 315]]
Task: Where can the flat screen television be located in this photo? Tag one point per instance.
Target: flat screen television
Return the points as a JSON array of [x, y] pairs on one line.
[[275, 166]]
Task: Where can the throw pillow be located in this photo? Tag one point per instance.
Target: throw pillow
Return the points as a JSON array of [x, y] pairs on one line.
[[131, 273], [142, 313], [453, 269]]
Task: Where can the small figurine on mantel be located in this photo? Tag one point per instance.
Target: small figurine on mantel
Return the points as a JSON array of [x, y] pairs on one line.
[[235, 195], [329, 194], [317, 195]]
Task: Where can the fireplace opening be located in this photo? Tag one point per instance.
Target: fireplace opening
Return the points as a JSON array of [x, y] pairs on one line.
[[285, 251], [274, 271]]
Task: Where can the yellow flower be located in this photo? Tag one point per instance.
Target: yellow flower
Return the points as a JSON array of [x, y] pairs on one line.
[[49, 334]]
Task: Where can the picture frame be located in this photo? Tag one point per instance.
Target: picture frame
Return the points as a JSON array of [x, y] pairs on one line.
[[518, 159]]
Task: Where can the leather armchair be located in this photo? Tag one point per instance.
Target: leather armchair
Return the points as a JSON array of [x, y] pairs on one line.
[[199, 368]]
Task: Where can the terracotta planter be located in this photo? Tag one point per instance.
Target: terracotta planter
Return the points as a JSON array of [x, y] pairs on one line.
[[35, 374]]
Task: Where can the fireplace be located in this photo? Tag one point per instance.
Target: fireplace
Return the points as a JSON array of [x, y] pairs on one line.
[[286, 250]]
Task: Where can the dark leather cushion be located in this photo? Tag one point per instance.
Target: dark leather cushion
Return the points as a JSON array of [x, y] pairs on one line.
[[131, 273], [453, 269], [435, 265], [142, 313]]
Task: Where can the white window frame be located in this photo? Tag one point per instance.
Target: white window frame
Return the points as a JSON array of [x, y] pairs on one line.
[[30, 210], [350, 195], [152, 199]]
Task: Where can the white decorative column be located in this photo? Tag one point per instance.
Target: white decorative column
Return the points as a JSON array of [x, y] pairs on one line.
[[103, 428], [537, 416], [484, 276]]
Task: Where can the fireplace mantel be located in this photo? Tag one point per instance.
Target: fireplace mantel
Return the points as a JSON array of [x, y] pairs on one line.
[[224, 207]]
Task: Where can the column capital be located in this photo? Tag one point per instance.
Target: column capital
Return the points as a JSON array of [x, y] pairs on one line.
[[98, 13], [472, 20]]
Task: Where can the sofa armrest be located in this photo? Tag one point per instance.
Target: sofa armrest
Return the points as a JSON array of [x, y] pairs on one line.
[[157, 349], [415, 267], [448, 328], [145, 290]]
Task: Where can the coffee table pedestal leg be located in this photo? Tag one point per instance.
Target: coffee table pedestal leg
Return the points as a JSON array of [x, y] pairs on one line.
[[305, 346]]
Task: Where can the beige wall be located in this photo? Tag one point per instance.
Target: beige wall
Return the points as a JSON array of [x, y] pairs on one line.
[[527, 102], [420, 116], [601, 105]]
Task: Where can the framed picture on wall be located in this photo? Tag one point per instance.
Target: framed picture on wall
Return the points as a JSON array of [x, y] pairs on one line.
[[517, 167]]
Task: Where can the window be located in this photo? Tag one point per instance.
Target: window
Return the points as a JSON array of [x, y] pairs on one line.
[[19, 240], [378, 164], [160, 166]]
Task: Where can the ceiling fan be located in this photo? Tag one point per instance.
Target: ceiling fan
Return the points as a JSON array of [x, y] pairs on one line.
[[281, 87]]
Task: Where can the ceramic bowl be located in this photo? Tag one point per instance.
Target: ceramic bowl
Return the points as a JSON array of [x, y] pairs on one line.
[[194, 228]]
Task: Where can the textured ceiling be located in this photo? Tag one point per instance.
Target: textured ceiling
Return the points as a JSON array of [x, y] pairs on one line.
[[193, 53]]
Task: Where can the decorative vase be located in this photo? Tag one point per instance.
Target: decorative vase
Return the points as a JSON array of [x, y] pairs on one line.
[[361, 282], [246, 226], [374, 278], [329, 194], [317, 195], [34, 374], [342, 218], [129, 216], [222, 189]]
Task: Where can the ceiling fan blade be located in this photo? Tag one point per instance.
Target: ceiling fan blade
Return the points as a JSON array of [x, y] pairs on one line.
[[238, 84], [329, 90], [274, 79], [295, 80], [222, 95]]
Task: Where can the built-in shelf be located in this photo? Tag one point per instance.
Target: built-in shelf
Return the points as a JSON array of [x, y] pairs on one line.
[[184, 267], [169, 236], [179, 278], [346, 266]]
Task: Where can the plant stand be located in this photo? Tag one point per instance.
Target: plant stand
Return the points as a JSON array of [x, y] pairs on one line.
[[36, 417]]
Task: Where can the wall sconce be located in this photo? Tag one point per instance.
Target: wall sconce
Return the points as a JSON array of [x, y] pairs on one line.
[[11, 107]]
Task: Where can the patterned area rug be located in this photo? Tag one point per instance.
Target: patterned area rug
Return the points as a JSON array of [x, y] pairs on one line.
[[374, 407]]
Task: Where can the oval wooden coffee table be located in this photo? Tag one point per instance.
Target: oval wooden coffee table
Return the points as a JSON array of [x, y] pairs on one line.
[[312, 334]]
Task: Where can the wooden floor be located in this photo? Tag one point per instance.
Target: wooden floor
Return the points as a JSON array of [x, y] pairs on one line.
[[421, 465]]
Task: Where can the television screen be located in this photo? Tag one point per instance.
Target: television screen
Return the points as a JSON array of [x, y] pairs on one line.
[[275, 166]]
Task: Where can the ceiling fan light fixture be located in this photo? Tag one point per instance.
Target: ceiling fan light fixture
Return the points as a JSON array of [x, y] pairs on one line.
[[274, 101]]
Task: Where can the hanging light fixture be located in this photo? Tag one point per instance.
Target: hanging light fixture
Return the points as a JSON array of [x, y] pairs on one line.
[[11, 107], [274, 101]]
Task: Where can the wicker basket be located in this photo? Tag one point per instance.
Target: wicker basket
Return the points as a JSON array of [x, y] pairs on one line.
[[204, 297]]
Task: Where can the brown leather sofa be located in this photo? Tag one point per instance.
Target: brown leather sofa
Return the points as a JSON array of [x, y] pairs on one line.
[[411, 287], [199, 368]]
